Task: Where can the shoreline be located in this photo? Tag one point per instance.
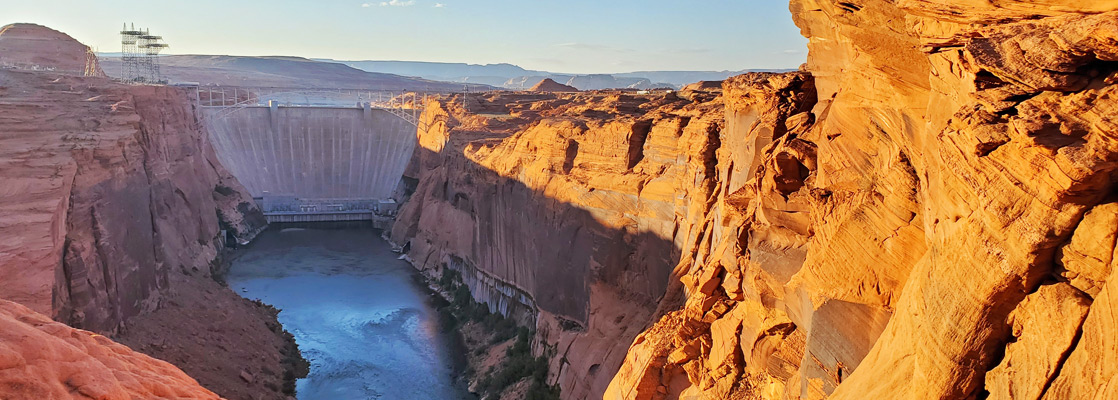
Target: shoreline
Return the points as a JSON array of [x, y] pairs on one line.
[[233, 346], [449, 344], [498, 358]]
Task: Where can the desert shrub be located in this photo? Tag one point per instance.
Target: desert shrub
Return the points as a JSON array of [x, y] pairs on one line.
[[542, 391], [447, 321], [519, 363], [480, 312], [450, 278]]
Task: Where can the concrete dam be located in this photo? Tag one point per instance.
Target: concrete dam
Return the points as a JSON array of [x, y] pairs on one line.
[[305, 164]]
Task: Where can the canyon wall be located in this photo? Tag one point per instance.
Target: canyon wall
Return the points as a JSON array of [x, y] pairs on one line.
[[112, 208], [940, 224], [925, 211], [108, 189], [568, 206]]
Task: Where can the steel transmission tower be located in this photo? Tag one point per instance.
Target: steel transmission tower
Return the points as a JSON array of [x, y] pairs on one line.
[[139, 58]]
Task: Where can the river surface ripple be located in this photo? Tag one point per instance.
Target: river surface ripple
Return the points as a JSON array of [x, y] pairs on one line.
[[358, 314]]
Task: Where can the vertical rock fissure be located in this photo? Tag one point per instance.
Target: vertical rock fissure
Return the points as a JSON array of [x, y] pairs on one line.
[[637, 137], [111, 293], [1063, 359]]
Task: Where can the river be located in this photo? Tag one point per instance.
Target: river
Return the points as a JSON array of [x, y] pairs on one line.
[[360, 316]]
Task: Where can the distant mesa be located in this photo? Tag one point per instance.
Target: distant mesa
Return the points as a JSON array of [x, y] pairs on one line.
[[282, 72], [701, 91], [704, 85], [548, 85], [36, 47], [510, 76]]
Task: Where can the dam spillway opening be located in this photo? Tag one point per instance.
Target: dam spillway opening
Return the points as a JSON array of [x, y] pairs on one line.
[[313, 157]]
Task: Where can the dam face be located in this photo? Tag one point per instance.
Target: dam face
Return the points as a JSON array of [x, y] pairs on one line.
[[341, 155]]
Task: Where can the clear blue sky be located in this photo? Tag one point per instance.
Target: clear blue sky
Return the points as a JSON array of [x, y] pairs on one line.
[[577, 36]]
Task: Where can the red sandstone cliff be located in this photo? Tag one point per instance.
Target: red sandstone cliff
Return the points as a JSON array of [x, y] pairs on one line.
[[112, 204], [30, 46], [108, 189], [940, 224], [573, 207], [926, 212]]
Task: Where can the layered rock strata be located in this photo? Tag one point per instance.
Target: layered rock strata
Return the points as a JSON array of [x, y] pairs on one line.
[[112, 213], [108, 189], [568, 206], [925, 212], [939, 224]]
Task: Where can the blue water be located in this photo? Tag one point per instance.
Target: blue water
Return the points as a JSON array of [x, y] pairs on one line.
[[356, 312]]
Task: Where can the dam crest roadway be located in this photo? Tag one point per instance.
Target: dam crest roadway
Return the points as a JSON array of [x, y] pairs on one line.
[[311, 155]]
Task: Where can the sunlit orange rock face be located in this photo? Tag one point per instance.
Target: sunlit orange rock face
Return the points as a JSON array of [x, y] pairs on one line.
[[926, 211], [574, 205], [43, 359], [939, 225]]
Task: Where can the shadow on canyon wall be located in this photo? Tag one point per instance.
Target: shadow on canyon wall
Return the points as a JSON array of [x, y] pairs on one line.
[[551, 249], [559, 216]]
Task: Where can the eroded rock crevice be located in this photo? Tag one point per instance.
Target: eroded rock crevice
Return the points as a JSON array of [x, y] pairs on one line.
[[922, 247]]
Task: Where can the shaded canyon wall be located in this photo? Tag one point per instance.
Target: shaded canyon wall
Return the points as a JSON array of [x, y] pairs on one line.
[[578, 201], [111, 207], [108, 189]]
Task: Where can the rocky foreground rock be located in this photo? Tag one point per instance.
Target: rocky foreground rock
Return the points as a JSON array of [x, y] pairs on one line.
[[927, 210], [43, 359]]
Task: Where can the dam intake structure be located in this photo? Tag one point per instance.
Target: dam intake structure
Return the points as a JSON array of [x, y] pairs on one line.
[[315, 155]]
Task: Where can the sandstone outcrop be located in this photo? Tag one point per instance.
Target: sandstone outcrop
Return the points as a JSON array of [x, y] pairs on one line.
[[565, 213], [43, 359], [30, 46], [926, 211], [112, 208], [939, 224], [548, 85]]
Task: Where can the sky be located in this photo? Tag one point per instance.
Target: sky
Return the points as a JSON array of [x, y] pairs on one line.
[[571, 36]]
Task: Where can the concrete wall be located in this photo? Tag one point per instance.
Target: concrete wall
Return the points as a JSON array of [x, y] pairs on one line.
[[313, 152]]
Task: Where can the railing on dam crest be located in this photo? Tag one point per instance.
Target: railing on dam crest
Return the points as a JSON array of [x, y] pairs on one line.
[[230, 100]]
